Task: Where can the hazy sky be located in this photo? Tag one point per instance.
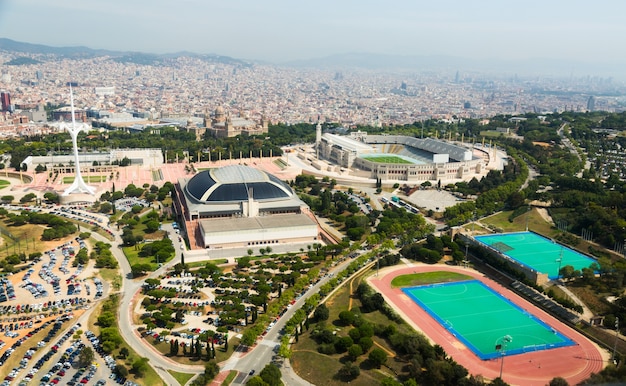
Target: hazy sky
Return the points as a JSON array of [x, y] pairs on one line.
[[280, 30]]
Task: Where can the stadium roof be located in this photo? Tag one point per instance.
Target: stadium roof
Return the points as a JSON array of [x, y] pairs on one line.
[[235, 183], [347, 143]]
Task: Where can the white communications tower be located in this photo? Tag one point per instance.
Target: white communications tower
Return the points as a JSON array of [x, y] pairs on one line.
[[79, 185]]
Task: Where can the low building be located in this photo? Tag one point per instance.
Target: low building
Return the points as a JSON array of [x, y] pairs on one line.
[[239, 206]]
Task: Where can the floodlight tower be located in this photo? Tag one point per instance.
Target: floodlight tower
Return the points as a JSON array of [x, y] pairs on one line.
[[79, 185]]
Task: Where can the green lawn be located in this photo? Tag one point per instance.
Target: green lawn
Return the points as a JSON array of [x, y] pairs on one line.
[[112, 276], [201, 264], [536, 223], [386, 159], [69, 180], [181, 378], [4, 183], [414, 279], [132, 255], [230, 378]]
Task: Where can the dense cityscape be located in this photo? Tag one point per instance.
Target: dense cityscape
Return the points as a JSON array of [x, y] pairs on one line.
[[123, 93]]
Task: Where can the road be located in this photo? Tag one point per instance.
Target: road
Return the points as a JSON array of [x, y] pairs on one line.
[[129, 289]]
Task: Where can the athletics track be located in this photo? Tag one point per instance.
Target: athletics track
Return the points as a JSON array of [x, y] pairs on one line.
[[573, 363]]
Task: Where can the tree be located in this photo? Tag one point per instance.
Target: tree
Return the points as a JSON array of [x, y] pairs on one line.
[[378, 357], [106, 319], [321, 313], [558, 381], [51, 197], [256, 381], [28, 198], [152, 226], [120, 369], [85, 357], [346, 317], [140, 366], [106, 207], [271, 375], [349, 371], [249, 337], [124, 352], [355, 351]]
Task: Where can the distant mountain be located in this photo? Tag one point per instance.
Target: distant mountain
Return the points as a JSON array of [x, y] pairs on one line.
[[534, 66], [29, 48], [369, 61], [82, 52], [21, 60]]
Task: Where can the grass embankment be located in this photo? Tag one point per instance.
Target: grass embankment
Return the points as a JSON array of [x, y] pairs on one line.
[[415, 279], [320, 369], [181, 378], [536, 223], [26, 239], [113, 276]]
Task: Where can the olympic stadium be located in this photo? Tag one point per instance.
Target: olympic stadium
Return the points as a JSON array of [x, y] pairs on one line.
[[401, 158]]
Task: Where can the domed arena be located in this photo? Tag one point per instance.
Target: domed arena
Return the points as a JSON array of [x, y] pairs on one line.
[[237, 206], [236, 183]]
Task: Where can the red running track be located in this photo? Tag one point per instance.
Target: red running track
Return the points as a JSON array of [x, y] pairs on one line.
[[574, 363]]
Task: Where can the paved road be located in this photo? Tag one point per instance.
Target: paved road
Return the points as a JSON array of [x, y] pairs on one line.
[[129, 289]]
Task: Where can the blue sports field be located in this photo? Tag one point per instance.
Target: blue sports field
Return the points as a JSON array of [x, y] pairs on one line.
[[536, 252]]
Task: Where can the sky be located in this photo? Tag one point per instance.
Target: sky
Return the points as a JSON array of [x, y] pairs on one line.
[[278, 31]]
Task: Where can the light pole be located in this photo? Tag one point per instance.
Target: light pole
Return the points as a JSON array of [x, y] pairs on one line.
[[560, 261], [616, 337], [502, 348], [527, 214]]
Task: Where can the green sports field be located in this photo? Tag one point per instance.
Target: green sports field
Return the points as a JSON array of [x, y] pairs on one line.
[[387, 159], [486, 322]]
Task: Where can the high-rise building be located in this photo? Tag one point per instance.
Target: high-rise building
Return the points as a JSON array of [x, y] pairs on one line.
[[591, 103], [5, 99]]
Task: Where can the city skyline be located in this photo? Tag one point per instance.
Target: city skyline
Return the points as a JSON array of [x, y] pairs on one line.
[[277, 31]]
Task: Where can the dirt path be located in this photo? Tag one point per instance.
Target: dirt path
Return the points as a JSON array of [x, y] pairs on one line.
[[543, 212]]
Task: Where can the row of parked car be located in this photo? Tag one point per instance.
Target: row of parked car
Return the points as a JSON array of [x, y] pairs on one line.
[[7, 291]]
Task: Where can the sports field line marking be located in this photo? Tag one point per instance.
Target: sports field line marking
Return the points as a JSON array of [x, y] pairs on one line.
[[448, 300], [500, 311], [508, 329]]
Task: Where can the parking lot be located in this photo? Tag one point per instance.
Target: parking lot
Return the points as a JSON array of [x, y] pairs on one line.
[[49, 290]]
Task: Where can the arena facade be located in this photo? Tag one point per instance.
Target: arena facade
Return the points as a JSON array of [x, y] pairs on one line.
[[237, 206], [414, 159]]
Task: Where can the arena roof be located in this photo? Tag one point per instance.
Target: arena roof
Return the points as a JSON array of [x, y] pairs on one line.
[[235, 183], [222, 225]]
